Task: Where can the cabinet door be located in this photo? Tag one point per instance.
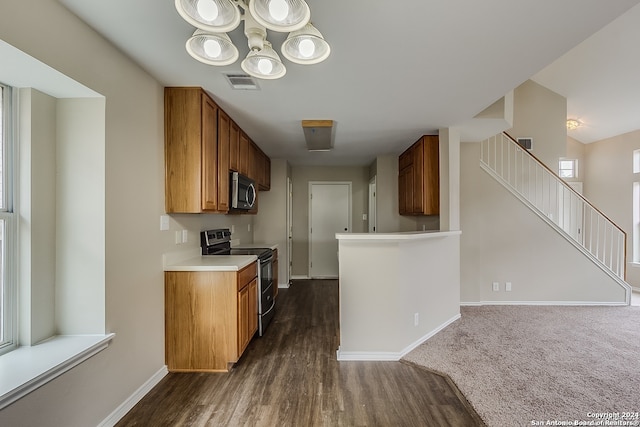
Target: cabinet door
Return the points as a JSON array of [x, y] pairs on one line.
[[405, 190], [209, 154], [417, 152], [254, 163], [183, 150], [267, 173], [223, 161], [243, 154], [252, 322], [243, 319], [234, 147]]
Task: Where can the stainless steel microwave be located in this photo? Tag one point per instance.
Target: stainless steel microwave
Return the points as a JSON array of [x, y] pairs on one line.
[[243, 192]]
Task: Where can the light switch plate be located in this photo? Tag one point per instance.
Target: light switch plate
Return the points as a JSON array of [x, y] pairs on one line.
[[164, 222]]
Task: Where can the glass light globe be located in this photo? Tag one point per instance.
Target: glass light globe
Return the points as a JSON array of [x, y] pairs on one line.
[[265, 66], [207, 9], [307, 48], [212, 48], [278, 9]]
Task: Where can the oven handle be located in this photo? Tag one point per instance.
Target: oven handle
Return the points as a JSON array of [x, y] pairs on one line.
[[266, 260]]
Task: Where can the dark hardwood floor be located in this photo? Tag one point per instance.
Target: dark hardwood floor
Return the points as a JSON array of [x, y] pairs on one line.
[[290, 377]]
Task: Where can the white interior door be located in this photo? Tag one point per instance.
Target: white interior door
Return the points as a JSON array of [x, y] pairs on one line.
[[329, 213]]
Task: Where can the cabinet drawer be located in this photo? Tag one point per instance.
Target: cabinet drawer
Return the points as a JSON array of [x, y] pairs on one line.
[[246, 275]]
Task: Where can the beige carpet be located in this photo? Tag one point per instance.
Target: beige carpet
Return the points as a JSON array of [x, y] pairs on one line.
[[518, 364]]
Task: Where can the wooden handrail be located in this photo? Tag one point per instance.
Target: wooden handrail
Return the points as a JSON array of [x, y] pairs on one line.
[[624, 234], [568, 186]]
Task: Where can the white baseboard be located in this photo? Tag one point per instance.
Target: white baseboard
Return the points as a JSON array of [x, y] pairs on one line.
[[283, 285], [390, 356], [635, 289], [553, 303], [412, 347], [376, 356], [294, 277], [132, 400]]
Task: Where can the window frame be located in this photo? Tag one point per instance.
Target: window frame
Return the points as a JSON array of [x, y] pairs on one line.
[[573, 169], [8, 251]]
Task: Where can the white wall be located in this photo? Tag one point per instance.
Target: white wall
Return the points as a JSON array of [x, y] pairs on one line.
[[301, 176], [608, 183], [385, 283], [541, 114], [80, 207], [271, 221], [128, 216], [37, 216], [504, 241], [576, 150]]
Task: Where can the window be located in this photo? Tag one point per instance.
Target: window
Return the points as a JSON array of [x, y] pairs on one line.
[[7, 222], [568, 168]]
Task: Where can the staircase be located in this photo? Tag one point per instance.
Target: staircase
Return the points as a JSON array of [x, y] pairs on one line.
[[553, 200]]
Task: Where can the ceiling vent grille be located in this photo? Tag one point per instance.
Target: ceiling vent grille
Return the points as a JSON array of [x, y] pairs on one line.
[[242, 82]]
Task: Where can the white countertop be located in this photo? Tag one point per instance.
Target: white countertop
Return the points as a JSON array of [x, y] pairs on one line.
[[212, 263], [255, 245], [396, 237]]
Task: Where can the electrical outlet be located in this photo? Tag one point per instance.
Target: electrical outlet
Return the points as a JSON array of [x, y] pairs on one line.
[[364, 216], [496, 286], [507, 287], [248, 227], [233, 228], [416, 319], [185, 236], [178, 237]]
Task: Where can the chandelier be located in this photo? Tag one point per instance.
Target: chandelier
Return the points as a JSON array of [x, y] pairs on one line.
[[214, 18]]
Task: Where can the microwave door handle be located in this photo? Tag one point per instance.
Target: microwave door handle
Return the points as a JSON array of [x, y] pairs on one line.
[[251, 195]]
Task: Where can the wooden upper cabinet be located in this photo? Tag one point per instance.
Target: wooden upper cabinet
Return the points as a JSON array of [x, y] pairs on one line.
[[234, 147], [209, 154], [419, 178], [202, 144], [224, 129], [259, 167], [254, 161], [243, 154], [191, 129]]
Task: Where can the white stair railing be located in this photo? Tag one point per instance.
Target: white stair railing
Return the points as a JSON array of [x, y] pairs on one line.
[[556, 202]]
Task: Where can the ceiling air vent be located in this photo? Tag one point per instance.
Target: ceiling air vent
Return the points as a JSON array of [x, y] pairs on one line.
[[242, 82]]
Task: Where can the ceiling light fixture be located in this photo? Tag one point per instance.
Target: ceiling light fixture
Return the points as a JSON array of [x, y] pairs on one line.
[[573, 124], [213, 18]]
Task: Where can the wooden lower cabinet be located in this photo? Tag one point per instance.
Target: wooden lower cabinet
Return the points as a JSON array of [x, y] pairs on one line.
[[210, 318]]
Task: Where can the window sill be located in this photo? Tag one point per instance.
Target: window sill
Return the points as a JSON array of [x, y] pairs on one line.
[[27, 368]]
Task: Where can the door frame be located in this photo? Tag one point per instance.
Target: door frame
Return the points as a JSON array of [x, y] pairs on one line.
[[373, 208], [289, 227], [350, 208]]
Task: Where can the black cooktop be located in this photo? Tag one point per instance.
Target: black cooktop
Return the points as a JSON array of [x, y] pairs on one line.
[[218, 242]]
